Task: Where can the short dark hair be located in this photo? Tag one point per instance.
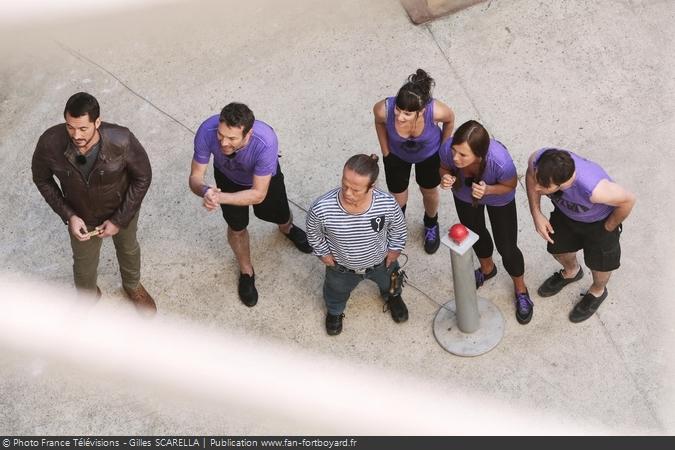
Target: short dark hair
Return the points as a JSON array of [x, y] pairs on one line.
[[364, 165], [237, 115], [416, 92], [82, 103], [554, 166]]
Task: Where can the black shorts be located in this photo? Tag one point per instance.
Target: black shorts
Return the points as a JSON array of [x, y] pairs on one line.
[[397, 172], [274, 208], [602, 250]]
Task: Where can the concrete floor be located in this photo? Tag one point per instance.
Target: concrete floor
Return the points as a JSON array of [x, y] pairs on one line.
[[592, 77]]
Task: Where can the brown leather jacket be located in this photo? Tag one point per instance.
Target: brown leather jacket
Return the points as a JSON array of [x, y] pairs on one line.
[[117, 183]]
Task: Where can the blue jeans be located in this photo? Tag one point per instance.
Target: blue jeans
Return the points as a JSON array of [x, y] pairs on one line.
[[340, 282]]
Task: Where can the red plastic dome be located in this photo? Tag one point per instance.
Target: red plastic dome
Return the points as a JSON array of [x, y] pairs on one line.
[[458, 233]]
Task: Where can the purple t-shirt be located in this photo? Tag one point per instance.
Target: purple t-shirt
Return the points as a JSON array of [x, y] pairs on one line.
[[416, 149], [575, 201], [259, 157], [498, 168]]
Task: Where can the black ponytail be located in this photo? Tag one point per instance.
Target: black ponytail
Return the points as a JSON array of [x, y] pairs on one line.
[[416, 92]]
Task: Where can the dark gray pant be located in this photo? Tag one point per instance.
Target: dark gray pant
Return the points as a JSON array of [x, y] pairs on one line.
[[339, 284]]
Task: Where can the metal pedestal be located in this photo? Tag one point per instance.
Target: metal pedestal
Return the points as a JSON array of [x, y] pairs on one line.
[[467, 325]]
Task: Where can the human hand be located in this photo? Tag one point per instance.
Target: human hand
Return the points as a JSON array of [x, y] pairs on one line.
[[78, 228], [609, 225], [108, 229], [210, 201], [543, 227], [478, 190], [328, 260], [447, 181], [392, 255]]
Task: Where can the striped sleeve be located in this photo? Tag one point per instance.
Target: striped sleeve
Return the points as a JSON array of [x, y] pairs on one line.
[[398, 231], [315, 234]]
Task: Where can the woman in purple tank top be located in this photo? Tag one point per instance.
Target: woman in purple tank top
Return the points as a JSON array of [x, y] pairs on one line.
[[482, 175], [408, 132]]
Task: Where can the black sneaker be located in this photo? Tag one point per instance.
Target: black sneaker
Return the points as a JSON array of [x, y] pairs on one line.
[[481, 278], [398, 310], [248, 294], [587, 307], [299, 239], [334, 324], [432, 239], [524, 308], [556, 282]]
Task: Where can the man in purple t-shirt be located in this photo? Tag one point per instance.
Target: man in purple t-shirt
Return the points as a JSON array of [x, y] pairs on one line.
[[589, 209], [247, 172]]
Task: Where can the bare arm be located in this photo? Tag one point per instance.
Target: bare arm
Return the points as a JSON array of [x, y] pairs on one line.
[[444, 114], [256, 194], [447, 177], [612, 194], [196, 180], [541, 223], [380, 113], [501, 187]]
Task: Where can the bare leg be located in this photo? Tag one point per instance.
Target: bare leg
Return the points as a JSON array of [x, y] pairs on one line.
[[600, 280], [519, 284], [401, 198], [431, 199], [486, 265], [569, 263], [286, 227], [239, 243]]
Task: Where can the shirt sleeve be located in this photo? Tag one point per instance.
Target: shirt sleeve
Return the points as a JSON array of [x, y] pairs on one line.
[[202, 153], [315, 233], [397, 233], [43, 177]]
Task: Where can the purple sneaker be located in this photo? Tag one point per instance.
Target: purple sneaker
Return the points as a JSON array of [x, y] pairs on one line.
[[432, 239], [524, 308]]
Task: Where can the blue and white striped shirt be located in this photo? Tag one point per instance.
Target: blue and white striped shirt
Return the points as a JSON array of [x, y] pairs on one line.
[[356, 241]]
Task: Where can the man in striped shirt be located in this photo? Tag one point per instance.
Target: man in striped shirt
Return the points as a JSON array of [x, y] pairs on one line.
[[358, 232]]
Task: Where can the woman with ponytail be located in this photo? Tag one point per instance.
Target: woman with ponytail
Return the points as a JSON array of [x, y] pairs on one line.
[[481, 174], [408, 132]]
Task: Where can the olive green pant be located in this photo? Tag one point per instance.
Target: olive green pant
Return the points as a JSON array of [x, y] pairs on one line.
[[86, 256]]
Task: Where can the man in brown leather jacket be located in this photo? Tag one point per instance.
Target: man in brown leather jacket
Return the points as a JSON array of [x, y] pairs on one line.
[[103, 173]]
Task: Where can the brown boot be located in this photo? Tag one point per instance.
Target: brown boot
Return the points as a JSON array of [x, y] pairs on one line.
[[142, 300]]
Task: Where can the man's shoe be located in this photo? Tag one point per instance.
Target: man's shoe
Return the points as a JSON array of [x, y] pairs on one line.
[[248, 294], [481, 278], [299, 239], [587, 307], [524, 308], [432, 239], [142, 300], [398, 310], [334, 324], [556, 282]]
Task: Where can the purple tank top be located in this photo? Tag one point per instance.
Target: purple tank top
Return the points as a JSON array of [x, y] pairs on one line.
[[417, 149], [575, 201]]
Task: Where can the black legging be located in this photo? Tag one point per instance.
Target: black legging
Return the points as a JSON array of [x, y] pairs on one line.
[[504, 224]]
